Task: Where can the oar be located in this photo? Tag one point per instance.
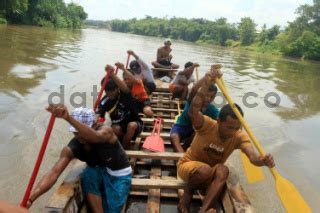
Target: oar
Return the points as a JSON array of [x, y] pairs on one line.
[[179, 112], [38, 162], [291, 198], [253, 173], [102, 89], [127, 63]]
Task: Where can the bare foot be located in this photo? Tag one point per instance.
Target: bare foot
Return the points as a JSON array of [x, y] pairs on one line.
[[185, 201], [208, 211]]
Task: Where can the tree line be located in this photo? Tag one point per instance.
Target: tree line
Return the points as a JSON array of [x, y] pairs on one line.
[[301, 38], [48, 13]]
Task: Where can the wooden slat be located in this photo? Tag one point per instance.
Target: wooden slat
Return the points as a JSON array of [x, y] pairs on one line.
[[172, 194], [156, 184], [167, 101], [153, 204], [164, 135], [151, 121], [163, 164], [164, 109], [155, 155]]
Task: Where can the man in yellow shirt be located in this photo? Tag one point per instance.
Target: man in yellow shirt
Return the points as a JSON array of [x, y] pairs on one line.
[[202, 166]]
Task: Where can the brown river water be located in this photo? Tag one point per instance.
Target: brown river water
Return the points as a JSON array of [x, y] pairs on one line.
[[38, 63]]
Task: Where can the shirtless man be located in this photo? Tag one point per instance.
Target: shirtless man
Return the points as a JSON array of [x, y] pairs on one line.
[[164, 57]]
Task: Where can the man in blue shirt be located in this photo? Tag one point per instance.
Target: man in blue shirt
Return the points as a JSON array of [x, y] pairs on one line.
[[182, 130]]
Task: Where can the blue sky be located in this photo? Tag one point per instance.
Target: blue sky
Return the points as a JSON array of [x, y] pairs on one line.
[[270, 12]]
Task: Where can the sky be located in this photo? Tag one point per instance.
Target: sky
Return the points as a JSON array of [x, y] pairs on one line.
[[268, 12]]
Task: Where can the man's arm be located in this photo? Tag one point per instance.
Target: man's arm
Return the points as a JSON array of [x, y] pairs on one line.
[[49, 179], [257, 159], [198, 100], [189, 70], [129, 74], [130, 52], [196, 86], [103, 135], [123, 87]]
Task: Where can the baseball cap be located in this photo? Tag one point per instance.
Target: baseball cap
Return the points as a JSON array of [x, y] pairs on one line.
[[83, 115]]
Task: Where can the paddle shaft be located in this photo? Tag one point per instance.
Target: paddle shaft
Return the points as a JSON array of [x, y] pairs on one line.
[[102, 89], [244, 123], [38, 162]]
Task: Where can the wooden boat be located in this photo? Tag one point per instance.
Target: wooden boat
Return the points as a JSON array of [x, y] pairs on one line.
[[155, 185]]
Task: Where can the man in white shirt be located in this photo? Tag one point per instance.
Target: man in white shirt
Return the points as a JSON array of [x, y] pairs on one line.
[[179, 85], [142, 72]]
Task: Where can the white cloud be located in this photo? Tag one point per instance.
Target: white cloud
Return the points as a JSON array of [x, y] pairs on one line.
[[270, 12]]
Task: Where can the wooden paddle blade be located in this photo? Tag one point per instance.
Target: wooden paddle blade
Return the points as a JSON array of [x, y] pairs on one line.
[[154, 143], [291, 198]]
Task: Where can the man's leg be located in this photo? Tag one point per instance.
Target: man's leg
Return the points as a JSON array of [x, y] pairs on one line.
[[95, 203], [91, 183], [219, 179], [201, 175], [131, 129], [175, 141], [158, 65], [147, 110], [174, 66], [118, 131]]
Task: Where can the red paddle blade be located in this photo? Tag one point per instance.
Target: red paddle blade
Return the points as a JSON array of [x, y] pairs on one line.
[[154, 143]]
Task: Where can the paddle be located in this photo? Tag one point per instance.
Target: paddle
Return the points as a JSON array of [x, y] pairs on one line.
[[101, 90], [116, 72], [154, 142], [289, 195], [38, 162], [253, 173], [179, 112]]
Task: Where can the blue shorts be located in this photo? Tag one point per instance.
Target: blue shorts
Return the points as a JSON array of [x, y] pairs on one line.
[[183, 131], [113, 190]]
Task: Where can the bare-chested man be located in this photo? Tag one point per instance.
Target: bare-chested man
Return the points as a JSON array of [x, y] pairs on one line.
[[164, 57]]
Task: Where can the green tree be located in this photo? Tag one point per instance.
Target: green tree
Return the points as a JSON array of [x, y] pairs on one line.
[[247, 30], [13, 10]]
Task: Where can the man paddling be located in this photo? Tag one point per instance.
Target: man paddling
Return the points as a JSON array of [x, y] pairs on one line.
[[122, 108], [106, 180], [179, 85], [142, 72], [182, 130], [202, 166], [164, 57]]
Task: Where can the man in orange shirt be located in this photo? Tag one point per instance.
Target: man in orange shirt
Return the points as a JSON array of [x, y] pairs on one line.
[[202, 166], [137, 90]]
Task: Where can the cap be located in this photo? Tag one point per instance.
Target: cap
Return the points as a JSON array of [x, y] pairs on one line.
[[168, 40], [83, 115]]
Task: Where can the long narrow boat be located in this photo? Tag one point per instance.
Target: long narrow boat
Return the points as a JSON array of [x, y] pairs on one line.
[[155, 185]]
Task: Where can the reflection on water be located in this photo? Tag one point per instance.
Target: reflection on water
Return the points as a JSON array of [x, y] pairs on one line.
[[35, 62], [27, 54]]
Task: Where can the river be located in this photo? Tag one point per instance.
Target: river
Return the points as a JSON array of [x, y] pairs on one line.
[[37, 63]]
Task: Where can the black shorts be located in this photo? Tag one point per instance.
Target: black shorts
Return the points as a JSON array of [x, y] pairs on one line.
[[165, 62], [150, 87], [138, 130], [141, 105]]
